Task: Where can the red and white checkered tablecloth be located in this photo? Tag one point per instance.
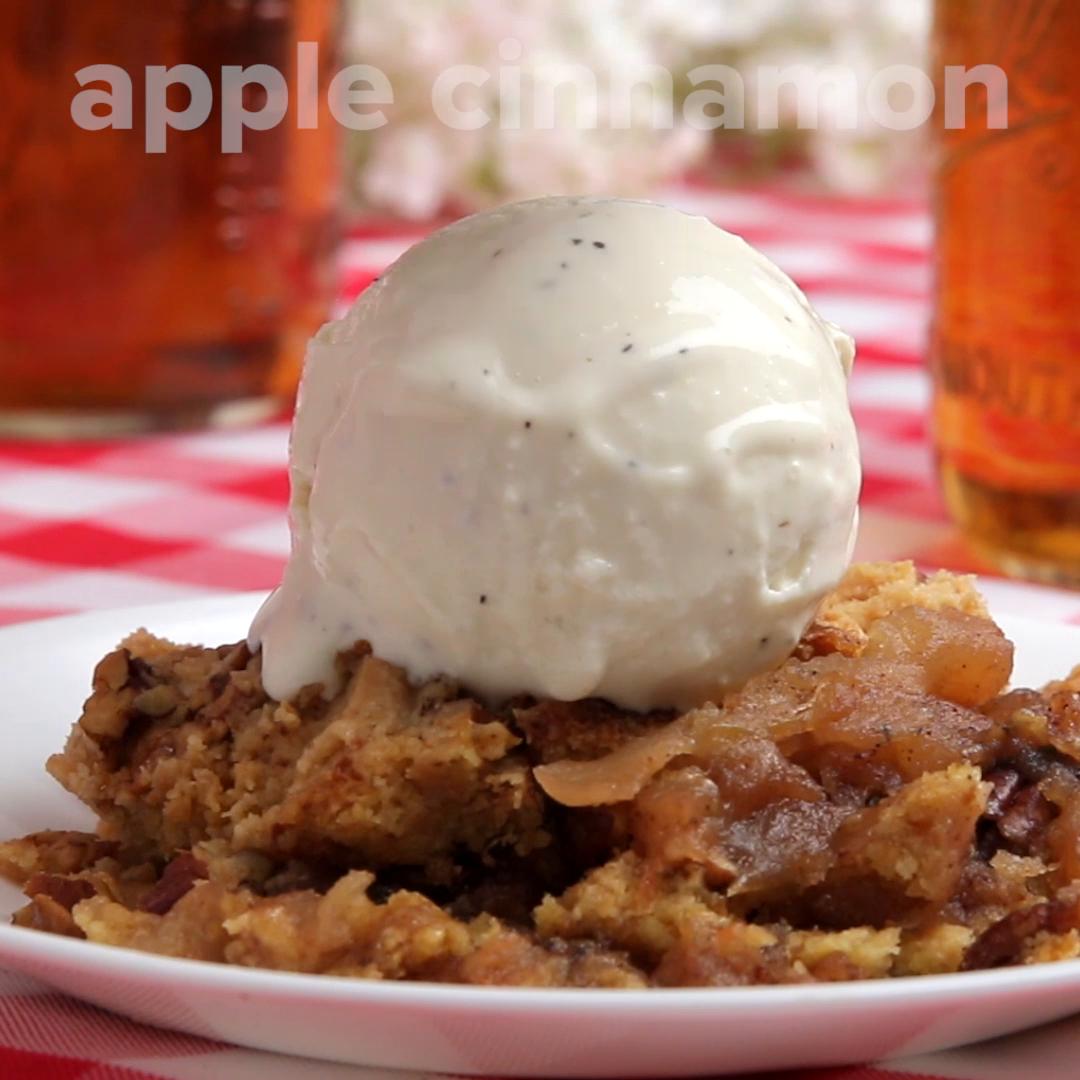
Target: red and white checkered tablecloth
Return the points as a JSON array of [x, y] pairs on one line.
[[179, 517]]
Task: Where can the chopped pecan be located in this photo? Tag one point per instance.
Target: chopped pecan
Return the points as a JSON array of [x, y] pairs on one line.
[[824, 639], [1002, 943], [177, 880], [1005, 782], [113, 670], [66, 891], [44, 913], [1025, 816], [158, 701]]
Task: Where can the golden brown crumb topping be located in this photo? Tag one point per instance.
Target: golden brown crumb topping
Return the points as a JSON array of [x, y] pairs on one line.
[[879, 805]]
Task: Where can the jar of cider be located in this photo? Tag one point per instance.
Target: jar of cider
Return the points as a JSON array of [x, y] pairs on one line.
[[147, 286], [1005, 350]]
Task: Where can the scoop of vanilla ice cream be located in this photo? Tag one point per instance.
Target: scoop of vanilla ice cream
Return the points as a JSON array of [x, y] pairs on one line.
[[571, 447]]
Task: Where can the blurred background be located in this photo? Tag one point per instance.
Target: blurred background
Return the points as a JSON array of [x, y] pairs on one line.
[[148, 299], [415, 166], [176, 178]]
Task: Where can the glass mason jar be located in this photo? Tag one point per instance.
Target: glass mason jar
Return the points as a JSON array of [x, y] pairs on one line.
[[141, 290], [1005, 350]]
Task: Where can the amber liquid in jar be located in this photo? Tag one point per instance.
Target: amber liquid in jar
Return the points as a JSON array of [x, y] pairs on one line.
[[1006, 342], [156, 290]]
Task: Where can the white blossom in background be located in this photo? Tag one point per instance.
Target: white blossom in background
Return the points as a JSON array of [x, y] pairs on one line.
[[865, 37], [415, 165]]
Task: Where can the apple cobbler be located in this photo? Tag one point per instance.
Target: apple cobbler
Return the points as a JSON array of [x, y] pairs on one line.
[[878, 805]]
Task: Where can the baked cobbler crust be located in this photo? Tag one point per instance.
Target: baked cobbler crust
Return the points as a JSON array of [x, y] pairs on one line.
[[877, 806]]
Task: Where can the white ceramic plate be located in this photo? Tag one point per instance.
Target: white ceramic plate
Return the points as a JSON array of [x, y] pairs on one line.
[[44, 673]]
